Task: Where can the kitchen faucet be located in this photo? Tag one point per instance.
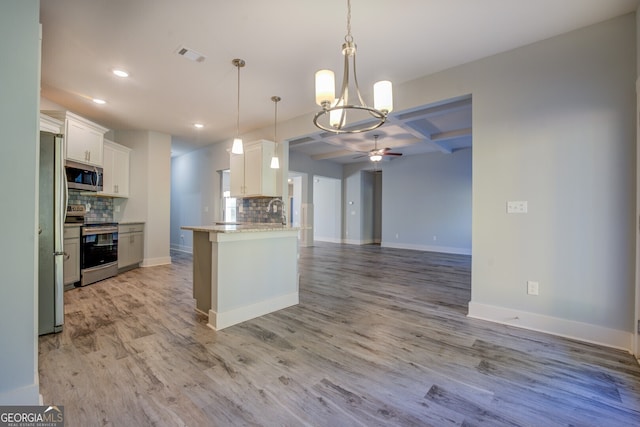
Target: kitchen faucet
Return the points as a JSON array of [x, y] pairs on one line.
[[284, 216]]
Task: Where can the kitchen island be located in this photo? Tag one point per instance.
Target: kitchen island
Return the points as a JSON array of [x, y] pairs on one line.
[[243, 271]]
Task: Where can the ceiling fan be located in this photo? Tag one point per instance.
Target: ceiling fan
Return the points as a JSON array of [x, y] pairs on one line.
[[376, 154]]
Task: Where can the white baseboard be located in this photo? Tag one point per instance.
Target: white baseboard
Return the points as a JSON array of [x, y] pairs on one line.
[[182, 248], [427, 248], [327, 239], [358, 242], [553, 325], [152, 262], [228, 318]]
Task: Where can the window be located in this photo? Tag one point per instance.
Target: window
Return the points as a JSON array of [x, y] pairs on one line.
[[228, 202]]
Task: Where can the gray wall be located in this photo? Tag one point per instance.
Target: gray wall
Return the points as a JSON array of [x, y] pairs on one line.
[[19, 118], [427, 202], [423, 196], [553, 124], [196, 191]]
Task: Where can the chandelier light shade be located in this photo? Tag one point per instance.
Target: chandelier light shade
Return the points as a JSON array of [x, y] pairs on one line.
[[237, 147], [325, 87], [383, 96], [345, 115], [275, 162]]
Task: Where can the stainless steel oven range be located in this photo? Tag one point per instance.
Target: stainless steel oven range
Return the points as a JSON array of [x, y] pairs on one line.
[[99, 252]]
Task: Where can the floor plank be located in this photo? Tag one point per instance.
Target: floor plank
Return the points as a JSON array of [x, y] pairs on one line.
[[380, 337]]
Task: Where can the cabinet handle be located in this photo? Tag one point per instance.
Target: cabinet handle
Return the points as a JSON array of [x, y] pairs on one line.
[[66, 256]]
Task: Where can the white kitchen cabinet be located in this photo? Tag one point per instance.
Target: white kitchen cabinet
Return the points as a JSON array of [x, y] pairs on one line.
[[115, 178], [250, 173], [71, 247], [83, 139], [130, 245]]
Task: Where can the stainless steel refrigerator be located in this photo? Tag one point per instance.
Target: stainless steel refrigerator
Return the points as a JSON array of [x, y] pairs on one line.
[[52, 211]]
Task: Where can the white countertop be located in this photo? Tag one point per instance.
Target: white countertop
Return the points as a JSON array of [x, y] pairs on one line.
[[240, 228]]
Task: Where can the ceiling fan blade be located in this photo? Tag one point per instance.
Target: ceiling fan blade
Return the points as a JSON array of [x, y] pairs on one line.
[[360, 156], [388, 153]]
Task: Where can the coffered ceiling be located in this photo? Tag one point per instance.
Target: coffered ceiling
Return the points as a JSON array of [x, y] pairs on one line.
[[283, 43]]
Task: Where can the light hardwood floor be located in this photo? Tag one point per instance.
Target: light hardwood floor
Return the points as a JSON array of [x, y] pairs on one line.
[[380, 338]]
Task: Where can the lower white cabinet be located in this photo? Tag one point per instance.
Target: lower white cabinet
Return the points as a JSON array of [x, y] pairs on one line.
[[130, 245], [71, 264]]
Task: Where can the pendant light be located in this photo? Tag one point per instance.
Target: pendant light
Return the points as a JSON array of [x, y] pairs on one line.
[[275, 162], [333, 116], [237, 148]]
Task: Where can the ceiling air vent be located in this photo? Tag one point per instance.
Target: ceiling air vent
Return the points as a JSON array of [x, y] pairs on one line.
[[191, 54]]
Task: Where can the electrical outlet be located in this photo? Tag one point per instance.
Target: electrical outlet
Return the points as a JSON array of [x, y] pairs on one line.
[[519, 206], [532, 288]]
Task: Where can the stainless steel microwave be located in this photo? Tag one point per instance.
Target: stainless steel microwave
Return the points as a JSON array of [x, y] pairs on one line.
[[83, 177]]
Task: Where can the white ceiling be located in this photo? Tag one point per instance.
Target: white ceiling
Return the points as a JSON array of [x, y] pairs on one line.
[[283, 43]]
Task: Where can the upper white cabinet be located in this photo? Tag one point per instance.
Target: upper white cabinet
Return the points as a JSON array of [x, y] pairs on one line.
[[49, 124], [115, 178], [83, 138], [251, 174]]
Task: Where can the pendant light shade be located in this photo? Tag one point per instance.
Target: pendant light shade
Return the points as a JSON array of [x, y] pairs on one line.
[[275, 162], [237, 147]]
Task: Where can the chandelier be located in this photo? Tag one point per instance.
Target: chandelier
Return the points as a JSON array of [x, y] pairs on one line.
[[333, 116]]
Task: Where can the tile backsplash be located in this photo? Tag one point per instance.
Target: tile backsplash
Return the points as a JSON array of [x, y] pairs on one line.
[[255, 210], [101, 207]]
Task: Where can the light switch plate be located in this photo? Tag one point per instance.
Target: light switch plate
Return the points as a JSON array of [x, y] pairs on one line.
[[518, 206]]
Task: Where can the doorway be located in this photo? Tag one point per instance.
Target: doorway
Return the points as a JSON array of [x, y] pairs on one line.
[[327, 209]]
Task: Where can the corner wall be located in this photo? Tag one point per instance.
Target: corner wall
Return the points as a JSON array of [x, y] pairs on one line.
[[149, 193], [19, 116], [554, 125]]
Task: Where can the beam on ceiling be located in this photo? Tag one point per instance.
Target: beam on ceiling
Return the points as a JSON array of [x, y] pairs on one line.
[[333, 155]]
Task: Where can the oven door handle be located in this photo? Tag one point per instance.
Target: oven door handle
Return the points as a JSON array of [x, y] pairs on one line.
[[99, 230]]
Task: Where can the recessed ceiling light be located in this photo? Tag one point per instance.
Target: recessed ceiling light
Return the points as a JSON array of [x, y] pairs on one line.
[[99, 101], [120, 73], [198, 125]]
